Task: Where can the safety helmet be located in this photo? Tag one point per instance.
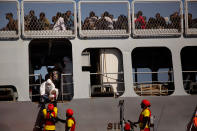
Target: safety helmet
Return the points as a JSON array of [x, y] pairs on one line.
[[50, 107], [69, 112], [127, 126], [146, 103]]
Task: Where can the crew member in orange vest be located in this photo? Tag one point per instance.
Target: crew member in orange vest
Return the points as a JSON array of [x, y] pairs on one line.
[[144, 119], [195, 120], [50, 115], [70, 120]]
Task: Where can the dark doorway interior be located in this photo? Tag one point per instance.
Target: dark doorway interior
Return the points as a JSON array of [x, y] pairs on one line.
[[189, 68], [47, 55], [152, 71]]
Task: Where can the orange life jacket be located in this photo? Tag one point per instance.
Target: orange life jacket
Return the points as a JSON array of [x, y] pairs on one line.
[[142, 116], [73, 127], [195, 121], [49, 119]]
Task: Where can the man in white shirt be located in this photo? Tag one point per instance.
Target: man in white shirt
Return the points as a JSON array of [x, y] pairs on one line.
[[108, 20], [59, 25]]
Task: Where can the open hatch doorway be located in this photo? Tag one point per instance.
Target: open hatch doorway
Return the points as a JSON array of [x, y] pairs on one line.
[[51, 57], [106, 71]]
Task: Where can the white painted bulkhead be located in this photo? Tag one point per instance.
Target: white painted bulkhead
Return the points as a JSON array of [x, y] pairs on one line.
[[15, 69], [127, 45]]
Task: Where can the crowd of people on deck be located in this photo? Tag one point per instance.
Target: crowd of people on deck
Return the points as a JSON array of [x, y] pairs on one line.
[[157, 22], [105, 22], [62, 21], [65, 21]]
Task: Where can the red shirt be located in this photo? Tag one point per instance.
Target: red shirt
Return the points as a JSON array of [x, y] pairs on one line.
[[141, 20]]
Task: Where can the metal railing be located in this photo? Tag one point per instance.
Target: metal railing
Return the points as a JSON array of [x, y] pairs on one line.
[[151, 89], [67, 86], [10, 19], [107, 83], [190, 81], [96, 26], [190, 22], [145, 25], [104, 24], [48, 19], [34, 85], [154, 88]]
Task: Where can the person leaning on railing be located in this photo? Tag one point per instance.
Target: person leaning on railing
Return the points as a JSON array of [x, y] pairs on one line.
[[108, 21], [59, 25], [140, 22], [69, 20], [192, 23], [43, 22], [121, 23], [160, 21], [105, 22], [90, 22], [12, 24], [31, 21], [175, 21], [151, 24]]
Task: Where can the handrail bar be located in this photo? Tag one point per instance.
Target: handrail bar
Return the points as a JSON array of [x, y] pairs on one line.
[[106, 73], [152, 72], [189, 71], [153, 82], [34, 74], [62, 83], [67, 74]]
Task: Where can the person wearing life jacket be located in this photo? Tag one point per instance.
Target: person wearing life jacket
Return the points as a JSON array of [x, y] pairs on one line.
[[50, 115], [144, 119], [70, 120], [195, 120]]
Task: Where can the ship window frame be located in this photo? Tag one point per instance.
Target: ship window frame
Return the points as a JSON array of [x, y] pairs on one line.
[[12, 89], [63, 42], [161, 93], [189, 72], [121, 73], [14, 36]]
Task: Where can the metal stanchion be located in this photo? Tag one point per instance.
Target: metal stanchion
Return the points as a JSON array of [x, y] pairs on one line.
[[121, 105]]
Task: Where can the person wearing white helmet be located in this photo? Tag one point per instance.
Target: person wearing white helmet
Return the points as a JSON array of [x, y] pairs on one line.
[[48, 91]]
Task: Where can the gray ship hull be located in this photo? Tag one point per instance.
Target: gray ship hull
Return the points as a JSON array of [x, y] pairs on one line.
[[172, 113]]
